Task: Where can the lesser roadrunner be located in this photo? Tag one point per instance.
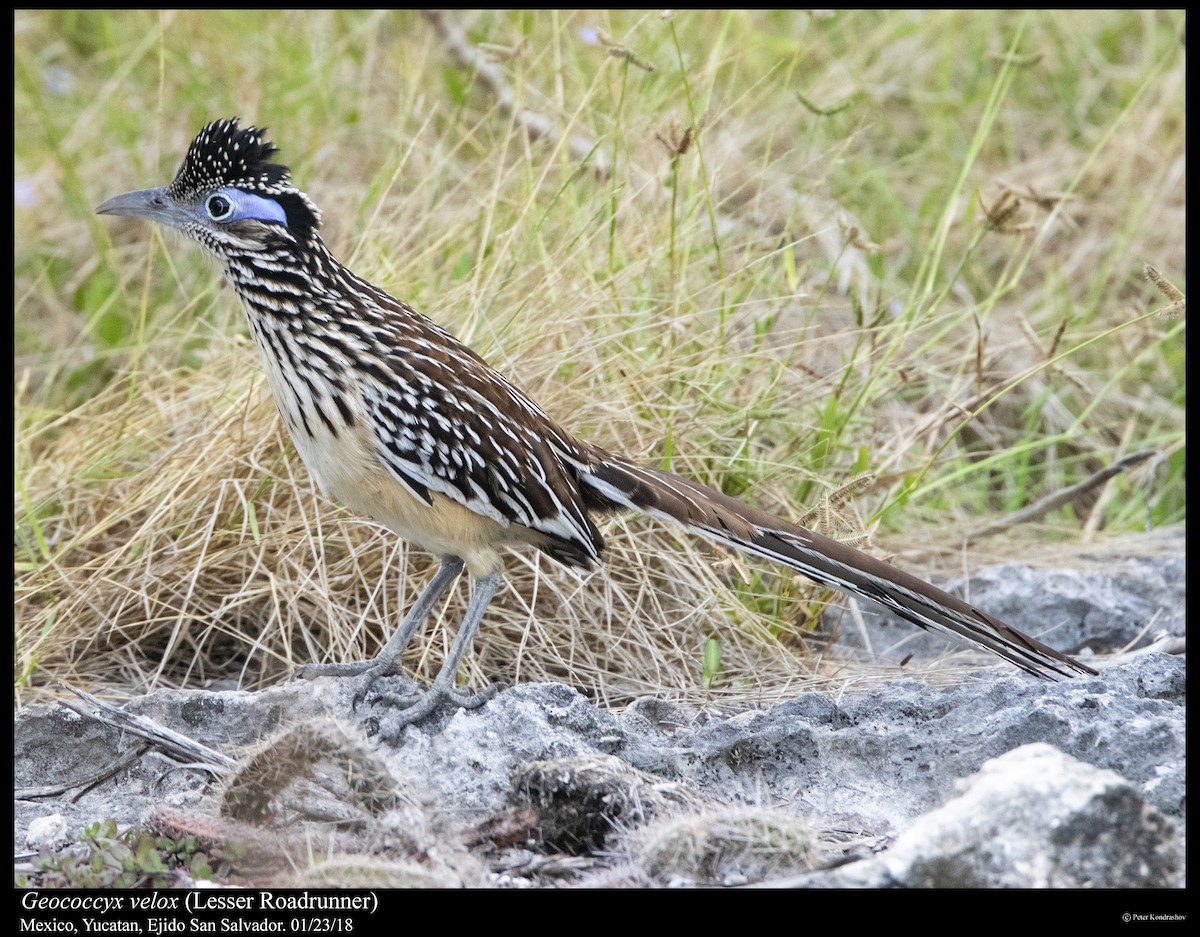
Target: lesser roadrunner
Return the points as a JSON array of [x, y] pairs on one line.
[[402, 422]]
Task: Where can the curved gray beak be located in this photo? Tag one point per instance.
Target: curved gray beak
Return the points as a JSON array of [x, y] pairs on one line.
[[151, 204]]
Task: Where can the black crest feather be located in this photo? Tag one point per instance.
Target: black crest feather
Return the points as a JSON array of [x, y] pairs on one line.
[[227, 155]]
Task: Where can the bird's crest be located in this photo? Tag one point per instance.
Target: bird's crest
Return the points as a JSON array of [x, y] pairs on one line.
[[227, 155], [224, 154]]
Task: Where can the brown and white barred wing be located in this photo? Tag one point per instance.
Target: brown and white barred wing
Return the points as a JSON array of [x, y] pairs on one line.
[[454, 427]]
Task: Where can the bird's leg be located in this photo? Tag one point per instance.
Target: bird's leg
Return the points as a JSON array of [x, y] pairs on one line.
[[386, 662], [443, 687]]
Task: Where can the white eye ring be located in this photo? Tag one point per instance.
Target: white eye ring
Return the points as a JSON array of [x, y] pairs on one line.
[[218, 207]]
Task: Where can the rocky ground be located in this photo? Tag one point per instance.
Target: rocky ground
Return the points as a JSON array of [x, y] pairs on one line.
[[996, 779]]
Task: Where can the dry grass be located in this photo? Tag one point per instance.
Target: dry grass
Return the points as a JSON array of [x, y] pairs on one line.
[[940, 283], [725, 846]]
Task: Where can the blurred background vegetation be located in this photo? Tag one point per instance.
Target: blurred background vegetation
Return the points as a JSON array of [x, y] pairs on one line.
[[773, 251]]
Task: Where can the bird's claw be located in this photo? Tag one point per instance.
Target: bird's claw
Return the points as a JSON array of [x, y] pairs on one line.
[[414, 710], [412, 705]]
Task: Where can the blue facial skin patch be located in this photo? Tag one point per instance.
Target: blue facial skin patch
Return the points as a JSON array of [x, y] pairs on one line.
[[226, 205]]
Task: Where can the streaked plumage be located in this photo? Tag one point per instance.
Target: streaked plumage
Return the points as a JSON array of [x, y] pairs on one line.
[[399, 420]]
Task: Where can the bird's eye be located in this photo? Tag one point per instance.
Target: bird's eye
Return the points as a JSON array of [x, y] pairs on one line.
[[219, 207], [234, 204]]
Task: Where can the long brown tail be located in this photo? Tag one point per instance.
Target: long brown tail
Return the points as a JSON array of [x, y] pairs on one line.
[[826, 561]]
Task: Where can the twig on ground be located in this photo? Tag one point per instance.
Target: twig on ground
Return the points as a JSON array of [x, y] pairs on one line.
[[85, 784], [173, 743]]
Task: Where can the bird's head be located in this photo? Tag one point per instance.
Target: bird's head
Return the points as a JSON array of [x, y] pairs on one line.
[[228, 194]]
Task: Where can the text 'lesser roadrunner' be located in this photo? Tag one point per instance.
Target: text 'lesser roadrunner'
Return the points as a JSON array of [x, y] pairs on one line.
[[400, 421]]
